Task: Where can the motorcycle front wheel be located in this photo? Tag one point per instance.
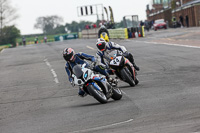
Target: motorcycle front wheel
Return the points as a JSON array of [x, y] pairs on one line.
[[98, 95], [127, 76], [117, 94]]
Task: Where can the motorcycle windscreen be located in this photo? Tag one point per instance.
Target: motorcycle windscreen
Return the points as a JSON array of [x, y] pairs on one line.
[[77, 70], [113, 54]]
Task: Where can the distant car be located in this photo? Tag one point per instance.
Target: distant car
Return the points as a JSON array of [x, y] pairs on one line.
[[159, 24]]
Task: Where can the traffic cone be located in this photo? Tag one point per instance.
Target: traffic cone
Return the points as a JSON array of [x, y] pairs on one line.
[[140, 34]]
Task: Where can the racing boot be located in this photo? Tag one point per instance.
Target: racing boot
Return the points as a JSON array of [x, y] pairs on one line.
[[131, 59], [112, 81], [135, 66], [82, 93]]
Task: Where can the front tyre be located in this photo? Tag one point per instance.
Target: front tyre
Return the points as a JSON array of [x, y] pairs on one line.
[[117, 94], [98, 95], [127, 77]]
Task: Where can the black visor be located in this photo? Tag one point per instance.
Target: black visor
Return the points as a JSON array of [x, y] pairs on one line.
[[67, 57], [101, 46]]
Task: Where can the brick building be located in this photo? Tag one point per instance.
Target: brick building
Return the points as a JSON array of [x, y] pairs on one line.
[[166, 9]]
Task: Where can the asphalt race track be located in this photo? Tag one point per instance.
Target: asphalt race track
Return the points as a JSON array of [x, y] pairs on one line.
[[36, 97]]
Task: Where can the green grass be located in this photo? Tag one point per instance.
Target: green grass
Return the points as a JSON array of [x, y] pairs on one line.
[[40, 38], [31, 39], [4, 46]]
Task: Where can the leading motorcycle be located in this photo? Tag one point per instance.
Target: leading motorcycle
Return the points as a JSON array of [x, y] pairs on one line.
[[94, 84]]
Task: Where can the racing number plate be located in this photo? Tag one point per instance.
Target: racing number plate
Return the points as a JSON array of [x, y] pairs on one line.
[[116, 61]]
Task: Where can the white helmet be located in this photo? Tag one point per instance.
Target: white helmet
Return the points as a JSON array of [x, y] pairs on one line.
[[101, 44]]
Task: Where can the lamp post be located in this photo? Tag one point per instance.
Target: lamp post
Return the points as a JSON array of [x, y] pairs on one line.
[[181, 2]]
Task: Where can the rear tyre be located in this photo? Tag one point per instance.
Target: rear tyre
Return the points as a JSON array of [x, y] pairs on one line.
[[127, 76], [117, 94], [98, 95], [136, 81]]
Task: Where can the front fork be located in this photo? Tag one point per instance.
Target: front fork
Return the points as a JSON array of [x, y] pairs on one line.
[[127, 62], [107, 87]]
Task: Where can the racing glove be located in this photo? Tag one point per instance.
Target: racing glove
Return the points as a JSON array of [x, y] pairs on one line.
[[71, 82]]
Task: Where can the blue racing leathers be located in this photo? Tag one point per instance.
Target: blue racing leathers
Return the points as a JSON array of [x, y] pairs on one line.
[[79, 59]]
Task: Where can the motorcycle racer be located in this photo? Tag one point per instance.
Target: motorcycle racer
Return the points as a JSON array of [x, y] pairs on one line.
[[104, 48], [73, 59], [101, 30]]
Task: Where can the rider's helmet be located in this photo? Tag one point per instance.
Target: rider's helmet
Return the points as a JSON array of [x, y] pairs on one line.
[[101, 44], [69, 54], [102, 27], [104, 33], [104, 36]]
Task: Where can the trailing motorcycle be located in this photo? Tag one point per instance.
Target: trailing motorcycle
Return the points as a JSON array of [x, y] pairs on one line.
[[123, 68], [105, 36], [95, 85]]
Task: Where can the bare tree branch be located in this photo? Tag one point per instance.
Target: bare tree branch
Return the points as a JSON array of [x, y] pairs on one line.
[[7, 13]]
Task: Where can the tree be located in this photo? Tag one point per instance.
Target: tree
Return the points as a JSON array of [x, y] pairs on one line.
[[10, 34], [48, 24], [7, 15], [75, 26], [59, 29], [120, 24], [173, 4]]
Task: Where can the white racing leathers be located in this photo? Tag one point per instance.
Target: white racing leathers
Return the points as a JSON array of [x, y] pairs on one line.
[[101, 55]]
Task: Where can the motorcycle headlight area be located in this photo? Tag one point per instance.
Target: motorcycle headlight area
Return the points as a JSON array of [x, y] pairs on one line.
[[79, 81], [85, 75]]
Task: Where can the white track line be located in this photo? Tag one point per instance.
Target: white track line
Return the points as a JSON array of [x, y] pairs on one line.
[[2, 50], [52, 71], [103, 127], [90, 47], [170, 44], [123, 92]]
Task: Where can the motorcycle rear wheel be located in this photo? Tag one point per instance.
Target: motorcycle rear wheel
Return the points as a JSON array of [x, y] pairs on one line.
[[136, 81]]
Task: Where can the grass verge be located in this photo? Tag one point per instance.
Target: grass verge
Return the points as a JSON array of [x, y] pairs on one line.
[[2, 47]]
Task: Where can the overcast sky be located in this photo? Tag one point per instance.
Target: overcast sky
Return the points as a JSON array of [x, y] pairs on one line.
[[29, 10]]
